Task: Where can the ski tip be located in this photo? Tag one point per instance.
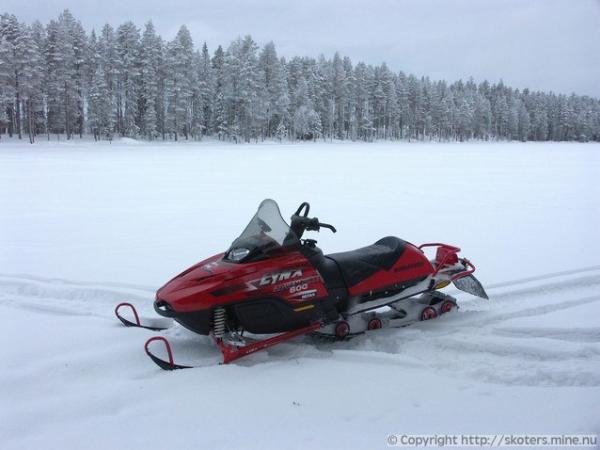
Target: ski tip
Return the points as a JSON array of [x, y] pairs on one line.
[[137, 323], [165, 365], [126, 322]]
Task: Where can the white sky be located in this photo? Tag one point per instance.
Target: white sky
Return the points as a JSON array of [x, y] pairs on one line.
[[541, 44]]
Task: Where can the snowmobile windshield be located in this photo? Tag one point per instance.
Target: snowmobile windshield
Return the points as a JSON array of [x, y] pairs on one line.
[[266, 232]]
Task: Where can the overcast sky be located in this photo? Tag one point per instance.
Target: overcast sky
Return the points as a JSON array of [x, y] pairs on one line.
[[540, 44]]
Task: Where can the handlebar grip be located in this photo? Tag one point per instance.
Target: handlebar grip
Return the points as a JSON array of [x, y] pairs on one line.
[[312, 224], [326, 225]]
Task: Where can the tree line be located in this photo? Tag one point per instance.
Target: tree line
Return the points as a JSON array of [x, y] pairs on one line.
[[59, 80]]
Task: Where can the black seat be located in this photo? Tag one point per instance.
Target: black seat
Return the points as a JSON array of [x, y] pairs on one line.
[[360, 264]]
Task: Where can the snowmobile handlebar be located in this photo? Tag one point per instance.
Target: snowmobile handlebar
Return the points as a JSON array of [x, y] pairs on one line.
[[301, 222], [305, 206]]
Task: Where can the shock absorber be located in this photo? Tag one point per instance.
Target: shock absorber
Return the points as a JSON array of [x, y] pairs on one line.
[[219, 321]]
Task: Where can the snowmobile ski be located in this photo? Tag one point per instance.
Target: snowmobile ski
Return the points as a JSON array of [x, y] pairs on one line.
[[230, 350], [165, 365]]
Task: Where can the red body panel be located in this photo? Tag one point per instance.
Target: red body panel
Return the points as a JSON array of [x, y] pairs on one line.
[[215, 282], [412, 265], [288, 276]]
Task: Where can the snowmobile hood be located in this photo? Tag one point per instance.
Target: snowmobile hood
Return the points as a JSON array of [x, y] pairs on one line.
[[199, 286]]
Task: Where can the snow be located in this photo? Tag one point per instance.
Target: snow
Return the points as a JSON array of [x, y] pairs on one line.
[[85, 226]]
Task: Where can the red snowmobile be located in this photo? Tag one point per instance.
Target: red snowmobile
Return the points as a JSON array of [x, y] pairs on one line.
[[271, 281]]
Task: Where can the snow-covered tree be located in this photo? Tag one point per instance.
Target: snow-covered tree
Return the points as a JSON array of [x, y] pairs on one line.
[[273, 84], [180, 84], [149, 100], [206, 88], [244, 102], [28, 63], [218, 115], [56, 79], [127, 80], [11, 73]]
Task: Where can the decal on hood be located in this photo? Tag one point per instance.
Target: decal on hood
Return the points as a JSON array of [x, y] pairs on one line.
[[269, 279]]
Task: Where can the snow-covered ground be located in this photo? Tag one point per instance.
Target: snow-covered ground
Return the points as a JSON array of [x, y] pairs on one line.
[[84, 226]]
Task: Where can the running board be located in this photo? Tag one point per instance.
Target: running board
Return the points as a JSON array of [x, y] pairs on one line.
[[419, 288]]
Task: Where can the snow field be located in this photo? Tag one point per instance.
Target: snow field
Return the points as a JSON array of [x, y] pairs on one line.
[[126, 218]]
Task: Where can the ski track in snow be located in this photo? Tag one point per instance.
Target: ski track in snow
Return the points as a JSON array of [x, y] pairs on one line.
[[479, 341]]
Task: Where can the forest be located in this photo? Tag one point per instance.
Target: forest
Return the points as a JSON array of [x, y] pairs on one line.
[[58, 81]]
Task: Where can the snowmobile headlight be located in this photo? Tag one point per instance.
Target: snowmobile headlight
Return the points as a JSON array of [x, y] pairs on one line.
[[237, 254]]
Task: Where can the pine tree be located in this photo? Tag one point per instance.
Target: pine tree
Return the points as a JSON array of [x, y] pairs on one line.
[[524, 122], [324, 99], [273, 84], [11, 72], [80, 59], [281, 132], [206, 87], [105, 85], [338, 82], [241, 90], [501, 117], [219, 114], [64, 53], [403, 104], [28, 63], [364, 126], [306, 121], [5, 91], [179, 84], [482, 117], [148, 99], [128, 74]]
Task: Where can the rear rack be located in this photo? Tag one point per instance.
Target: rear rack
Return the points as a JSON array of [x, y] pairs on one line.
[[447, 254]]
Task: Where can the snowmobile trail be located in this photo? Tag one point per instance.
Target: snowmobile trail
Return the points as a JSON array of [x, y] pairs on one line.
[[507, 341], [68, 296], [77, 283], [513, 339], [544, 277], [591, 334], [61, 296], [37, 290]]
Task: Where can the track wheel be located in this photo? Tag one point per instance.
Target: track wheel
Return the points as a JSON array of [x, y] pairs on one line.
[[342, 330], [374, 324], [429, 313], [447, 306]]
